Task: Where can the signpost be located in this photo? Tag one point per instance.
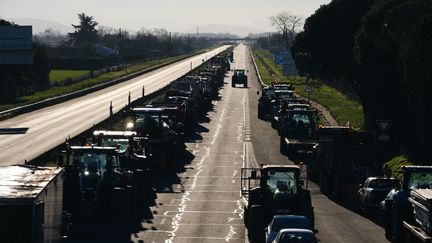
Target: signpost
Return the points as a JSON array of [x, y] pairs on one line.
[[308, 90], [288, 65], [383, 130]]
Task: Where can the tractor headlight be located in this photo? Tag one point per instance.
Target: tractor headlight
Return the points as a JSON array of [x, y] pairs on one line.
[[129, 125]]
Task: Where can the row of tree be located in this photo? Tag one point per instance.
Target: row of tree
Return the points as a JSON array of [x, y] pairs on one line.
[[78, 50], [383, 48], [145, 43]]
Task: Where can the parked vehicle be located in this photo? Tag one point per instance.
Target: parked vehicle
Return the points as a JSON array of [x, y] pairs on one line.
[[272, 190], [408, 209], [31, 209], [373, 192], [295, 235], [341, 159], [280, 222]]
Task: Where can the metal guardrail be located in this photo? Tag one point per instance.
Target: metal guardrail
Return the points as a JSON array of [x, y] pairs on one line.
[[257, 71], [62, 98]]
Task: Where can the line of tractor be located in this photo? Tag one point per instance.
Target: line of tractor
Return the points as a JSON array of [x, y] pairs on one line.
[[105, 176]]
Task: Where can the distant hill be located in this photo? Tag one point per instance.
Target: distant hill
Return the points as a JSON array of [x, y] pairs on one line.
[[39, 25], [237, 30]]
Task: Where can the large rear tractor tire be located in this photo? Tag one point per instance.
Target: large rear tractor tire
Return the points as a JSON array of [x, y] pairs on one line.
[[282, 146]]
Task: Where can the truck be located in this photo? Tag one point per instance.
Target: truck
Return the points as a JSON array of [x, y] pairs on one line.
[[297, 133], [239, 77], [408, 215], [341, 159], [31, 206], [271, 190]]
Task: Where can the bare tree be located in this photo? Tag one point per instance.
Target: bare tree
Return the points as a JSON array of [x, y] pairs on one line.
[[288, 24]]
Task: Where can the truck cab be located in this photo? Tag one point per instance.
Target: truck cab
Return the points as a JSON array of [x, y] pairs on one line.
[[401, 220]]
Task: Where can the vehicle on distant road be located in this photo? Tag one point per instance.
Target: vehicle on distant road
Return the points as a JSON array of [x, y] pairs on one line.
[[295, 235], [374, 190], [280, 222]]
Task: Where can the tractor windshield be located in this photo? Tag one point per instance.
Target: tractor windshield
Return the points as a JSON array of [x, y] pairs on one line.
[[420, 180], [186, 87], [239, 72], [92, 163], [120, 143], [303, 117], [282, 182]]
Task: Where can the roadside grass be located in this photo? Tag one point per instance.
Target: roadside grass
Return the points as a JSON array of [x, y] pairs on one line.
[[105, 77], [395, 163], [340, 106], [57, 76]]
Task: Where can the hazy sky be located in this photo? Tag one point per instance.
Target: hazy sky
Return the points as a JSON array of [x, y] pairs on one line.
[[174, 15]]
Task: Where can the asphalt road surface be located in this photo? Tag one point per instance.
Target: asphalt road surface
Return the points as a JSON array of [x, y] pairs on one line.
[[47, 128]]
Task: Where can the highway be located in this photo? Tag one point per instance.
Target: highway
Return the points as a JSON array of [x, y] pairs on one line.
[[49, 127], [202, 203]]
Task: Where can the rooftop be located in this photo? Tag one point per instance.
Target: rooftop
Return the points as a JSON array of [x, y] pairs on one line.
[[25, 182]]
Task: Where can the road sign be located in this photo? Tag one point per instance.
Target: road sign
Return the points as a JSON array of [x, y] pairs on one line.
[[16, 45], [279, 58], [308, 89], [383, 126]]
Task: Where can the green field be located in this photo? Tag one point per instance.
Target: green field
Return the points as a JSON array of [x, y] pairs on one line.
[[340, 106], [56, 76]]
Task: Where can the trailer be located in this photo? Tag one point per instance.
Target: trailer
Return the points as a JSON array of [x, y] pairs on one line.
[[341, 160], [31, 206]]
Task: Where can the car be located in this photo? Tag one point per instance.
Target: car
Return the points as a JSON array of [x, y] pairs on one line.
[[295, 235], [374, 190], [284, 222]]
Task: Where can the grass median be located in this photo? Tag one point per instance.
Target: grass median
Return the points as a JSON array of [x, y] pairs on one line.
[[342, 108]]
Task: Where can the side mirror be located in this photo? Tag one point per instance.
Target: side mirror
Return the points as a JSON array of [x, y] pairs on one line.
[[258, 92], [253, 174]]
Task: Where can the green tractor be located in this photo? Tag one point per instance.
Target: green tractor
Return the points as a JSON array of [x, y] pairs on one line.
[[239, 77], [95, 185]]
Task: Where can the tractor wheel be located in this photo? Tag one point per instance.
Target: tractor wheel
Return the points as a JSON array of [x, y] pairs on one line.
[[282, 146], [246, 217], [260, 111]]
